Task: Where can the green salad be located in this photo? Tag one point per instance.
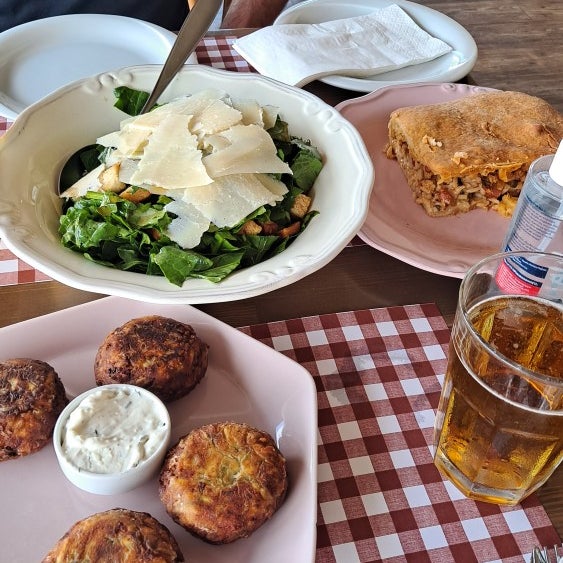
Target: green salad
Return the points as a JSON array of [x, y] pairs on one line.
[[130, 228]]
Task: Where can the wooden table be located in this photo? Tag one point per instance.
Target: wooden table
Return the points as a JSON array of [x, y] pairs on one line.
[[520, 48]]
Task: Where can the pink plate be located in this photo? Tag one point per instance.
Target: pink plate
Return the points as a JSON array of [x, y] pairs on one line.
[[395, 224], [246, 381]]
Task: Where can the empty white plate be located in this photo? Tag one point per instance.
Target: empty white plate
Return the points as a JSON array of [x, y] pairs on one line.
[[38, 57]]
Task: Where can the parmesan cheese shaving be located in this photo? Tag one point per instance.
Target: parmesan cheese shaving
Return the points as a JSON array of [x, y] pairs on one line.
[[216, 117], [229, 199], [269, 116], [250, 110], [251, 149], [189, 225], [171, 158], [277, 187]]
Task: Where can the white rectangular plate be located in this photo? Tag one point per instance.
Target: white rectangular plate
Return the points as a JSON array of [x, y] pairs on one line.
[[246, 381]]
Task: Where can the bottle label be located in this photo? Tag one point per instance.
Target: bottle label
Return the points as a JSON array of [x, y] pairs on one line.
[[520, 276], [532, 229]]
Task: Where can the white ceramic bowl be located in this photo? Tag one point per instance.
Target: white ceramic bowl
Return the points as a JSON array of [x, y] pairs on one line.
[[117, 482], [42, 138]]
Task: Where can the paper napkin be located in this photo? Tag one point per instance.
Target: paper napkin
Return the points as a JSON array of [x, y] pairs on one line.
[[384, 40]]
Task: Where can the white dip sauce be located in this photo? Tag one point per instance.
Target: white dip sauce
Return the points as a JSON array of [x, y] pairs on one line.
[[112, 430]]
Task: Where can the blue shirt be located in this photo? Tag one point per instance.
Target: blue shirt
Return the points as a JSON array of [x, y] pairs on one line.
[[169, 14]]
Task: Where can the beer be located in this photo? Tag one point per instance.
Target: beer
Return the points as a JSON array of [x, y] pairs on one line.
[[499, 429]]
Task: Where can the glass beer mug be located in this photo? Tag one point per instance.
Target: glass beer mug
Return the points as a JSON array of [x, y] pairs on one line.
[[499, 428]]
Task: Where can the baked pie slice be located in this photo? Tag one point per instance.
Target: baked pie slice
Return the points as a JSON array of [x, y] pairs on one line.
[[473, 152]]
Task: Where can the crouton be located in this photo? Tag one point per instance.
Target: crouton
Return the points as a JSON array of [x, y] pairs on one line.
[[293, 229], [250, 228], [135, 194], [109, 179], [154, 233], [300, 206], [270, 228]]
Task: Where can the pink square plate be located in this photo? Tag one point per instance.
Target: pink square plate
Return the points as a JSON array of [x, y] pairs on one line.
[[246, 381], [395, 223]]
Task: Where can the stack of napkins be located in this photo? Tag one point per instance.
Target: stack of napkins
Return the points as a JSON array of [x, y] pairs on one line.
[[384, 40]]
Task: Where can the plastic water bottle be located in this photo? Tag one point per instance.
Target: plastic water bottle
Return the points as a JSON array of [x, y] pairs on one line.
[[537, 225]]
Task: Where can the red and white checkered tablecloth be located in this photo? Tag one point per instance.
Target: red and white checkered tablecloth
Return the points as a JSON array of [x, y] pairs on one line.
[[219, 53], [212, 51], [378, 375]]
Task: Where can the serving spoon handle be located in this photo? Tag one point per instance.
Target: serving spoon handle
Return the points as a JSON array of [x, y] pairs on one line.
[[193, 29]]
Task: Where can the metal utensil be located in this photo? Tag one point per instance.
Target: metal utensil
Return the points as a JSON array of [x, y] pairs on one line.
[[545, 555], [193, 29]]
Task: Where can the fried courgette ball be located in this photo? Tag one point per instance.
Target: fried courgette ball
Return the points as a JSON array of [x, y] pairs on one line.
[[222, 481], [157, 353], [31, 398], [116, 535]]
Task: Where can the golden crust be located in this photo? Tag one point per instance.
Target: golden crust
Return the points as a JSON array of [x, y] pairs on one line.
[[223, 481], [31, 398], [481, 133], [160, 354], [117, 535]]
